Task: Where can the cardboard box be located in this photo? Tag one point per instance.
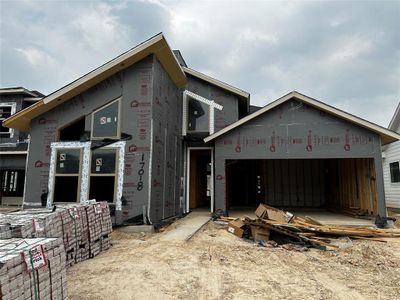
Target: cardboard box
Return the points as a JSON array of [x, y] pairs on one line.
[[259, 233], [236, 227], [267, 212], [261, 211]]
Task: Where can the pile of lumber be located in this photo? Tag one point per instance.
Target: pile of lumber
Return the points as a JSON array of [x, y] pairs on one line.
[[275, 224], [32, 269], [85, 229]]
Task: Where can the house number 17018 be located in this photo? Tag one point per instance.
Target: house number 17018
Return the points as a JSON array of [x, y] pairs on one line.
[[141, 173]]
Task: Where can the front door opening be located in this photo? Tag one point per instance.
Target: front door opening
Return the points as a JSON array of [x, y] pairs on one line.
[[200, 179]]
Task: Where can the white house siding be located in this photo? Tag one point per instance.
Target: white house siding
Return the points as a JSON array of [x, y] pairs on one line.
[[392, 190]]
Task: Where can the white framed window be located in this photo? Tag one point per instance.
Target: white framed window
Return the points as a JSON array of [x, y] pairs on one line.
[[106, 123], [103, 174], [68, 174], [74, 172], [198, 113], [394, 172], [7, 109]]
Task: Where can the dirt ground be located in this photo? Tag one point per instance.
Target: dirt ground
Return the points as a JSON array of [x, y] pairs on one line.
[[215, 264]]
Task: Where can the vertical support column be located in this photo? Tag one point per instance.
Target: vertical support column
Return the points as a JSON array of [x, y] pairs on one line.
[[220, 182], [380, 184], [380, 189]]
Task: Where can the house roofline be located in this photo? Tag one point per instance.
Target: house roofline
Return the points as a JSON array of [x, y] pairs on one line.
[[156, 45], [217, 82], [19, 90], [387, 136], [394, 122]]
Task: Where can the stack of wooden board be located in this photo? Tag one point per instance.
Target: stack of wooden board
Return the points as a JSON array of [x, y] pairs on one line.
[[274, 223], [32, 269]]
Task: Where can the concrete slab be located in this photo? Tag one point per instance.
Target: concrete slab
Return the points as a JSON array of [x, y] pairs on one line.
[[323, 216], [187, 227], [330, 218], [136, 228]]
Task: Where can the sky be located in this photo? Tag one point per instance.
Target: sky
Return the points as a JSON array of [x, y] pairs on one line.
[[344, 53]]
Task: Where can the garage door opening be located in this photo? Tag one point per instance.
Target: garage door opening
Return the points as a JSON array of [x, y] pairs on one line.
[[337, 185]]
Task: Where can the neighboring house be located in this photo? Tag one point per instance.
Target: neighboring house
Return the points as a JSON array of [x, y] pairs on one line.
[[13, 144], [155, 138], [391, 168]]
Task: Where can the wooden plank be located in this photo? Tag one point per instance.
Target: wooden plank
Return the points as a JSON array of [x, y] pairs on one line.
[[270, 182], [307, 183], [300, 182], [285, 183], [316, 197], [293, 183]]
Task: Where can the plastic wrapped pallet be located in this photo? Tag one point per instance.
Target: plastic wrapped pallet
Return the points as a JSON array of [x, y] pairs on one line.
[[75, 233], [32, 269], [99, 227], [5, 231], [33, 223], [84, 229]]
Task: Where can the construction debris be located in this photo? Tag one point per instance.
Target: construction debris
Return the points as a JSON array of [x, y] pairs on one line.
[[32, 269], [283, 228]]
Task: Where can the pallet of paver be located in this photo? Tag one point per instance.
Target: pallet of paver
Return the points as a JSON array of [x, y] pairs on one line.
[[32, 223], [85, 229], [32, 269], [75, 232], [5, 231], [99, 227]]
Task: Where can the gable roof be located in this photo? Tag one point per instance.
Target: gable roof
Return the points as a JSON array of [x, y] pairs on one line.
[[395, 121], [156, 45], [387, 136]]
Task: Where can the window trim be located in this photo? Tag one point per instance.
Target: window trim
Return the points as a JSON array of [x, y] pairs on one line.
[[13, 106], [82, 175], [211, 104], [118, 136], [390, 172], [116, 174], [85, 170]]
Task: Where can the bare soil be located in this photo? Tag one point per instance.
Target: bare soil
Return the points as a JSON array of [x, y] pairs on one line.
[[215, 264]]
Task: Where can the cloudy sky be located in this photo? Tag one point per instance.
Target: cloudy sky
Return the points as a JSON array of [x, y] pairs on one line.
[[345, 53]]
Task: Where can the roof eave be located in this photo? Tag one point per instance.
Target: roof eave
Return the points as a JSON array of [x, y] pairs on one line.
[[156, 45], [11, 91], [387, 136], [217, 82]]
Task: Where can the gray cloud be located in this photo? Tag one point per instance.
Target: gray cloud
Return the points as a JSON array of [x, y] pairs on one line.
[[346, 54]]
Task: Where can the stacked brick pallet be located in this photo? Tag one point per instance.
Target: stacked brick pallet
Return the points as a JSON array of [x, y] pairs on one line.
[[84, 229], [32, 269], [99, 228], [5, 232]]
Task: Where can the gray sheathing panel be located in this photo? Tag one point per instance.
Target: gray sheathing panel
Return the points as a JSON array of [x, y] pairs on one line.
[[294, 130], [134, 85], [229, 101], [166, 146]]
